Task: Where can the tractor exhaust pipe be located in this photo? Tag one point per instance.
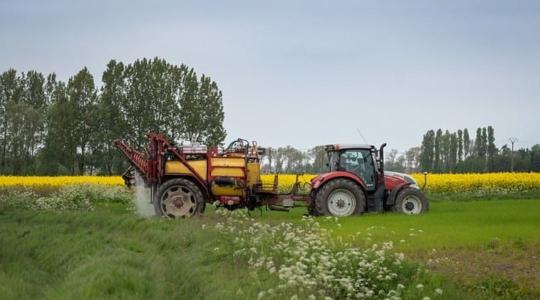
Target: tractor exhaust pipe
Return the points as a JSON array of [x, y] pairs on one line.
[[381, 158], [379, 193]]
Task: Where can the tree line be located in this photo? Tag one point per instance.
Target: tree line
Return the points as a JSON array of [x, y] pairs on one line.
[[291, 160], [457, 152], [314, 160], [440, 152], [51, 127]]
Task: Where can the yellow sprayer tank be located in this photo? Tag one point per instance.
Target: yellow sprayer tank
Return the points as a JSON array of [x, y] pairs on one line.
[[237, 169]]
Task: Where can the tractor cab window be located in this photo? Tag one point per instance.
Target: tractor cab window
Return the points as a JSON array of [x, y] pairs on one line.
[[359, 162]]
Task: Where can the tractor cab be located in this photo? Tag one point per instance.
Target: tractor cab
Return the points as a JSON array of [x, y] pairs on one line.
[[360, 160]]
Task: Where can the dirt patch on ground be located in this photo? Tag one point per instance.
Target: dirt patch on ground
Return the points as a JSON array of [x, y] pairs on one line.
[[514, 267]]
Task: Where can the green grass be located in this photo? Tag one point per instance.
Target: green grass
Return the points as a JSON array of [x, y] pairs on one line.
[[110, 253], [448, 224], [456, 224], [101, 254], [487, 246]]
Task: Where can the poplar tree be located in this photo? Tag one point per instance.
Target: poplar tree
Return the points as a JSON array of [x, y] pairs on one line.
[[82, 97], [453, 157], [478, 143], [445, 151], [427, 155], [10, 92], [437, 159], [460, 145], [112, 123], [59, 152], [483, 143], [466, 143], [491, 149]]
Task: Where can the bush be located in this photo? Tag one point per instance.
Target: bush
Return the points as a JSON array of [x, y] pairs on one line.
[[73, 197]]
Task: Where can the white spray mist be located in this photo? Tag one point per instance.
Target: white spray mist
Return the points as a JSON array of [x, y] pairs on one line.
[[142, 197]]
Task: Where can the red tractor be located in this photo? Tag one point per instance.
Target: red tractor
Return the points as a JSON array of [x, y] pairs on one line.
[[182, 179], [357, 183]]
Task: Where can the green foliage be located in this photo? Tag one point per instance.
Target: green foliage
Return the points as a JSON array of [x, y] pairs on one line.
[[428, 146], [453, 152], [22, 111], [289, 160], [310, 264], [53, 128], [106, 255], [77, 197], [499, 287]]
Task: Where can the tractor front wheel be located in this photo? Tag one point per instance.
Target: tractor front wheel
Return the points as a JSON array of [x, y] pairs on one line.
[[411, 201], [340, 198], [178, 198]]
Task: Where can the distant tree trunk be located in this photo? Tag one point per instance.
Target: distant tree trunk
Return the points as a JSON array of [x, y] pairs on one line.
[[4, 145]]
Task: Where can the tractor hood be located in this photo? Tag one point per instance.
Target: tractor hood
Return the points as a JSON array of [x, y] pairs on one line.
[[322, 178], [393, 179]]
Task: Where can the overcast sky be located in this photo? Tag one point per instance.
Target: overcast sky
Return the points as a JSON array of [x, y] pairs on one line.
[[305, 73]]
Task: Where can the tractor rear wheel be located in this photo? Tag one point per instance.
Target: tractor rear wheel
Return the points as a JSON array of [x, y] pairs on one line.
[[340, 198], [411, 201], [178, 198]]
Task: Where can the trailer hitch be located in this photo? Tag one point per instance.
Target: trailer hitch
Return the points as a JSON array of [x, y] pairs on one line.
[[278, 208]]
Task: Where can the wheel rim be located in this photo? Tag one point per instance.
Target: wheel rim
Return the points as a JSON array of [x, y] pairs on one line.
[[178, 202], [341, 203], [411, 205]]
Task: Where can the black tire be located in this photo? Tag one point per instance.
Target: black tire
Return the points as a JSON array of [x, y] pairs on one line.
[[178, 198], [411, 201], [321, 205]]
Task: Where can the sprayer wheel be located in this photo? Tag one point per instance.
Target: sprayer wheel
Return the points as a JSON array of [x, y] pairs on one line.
[[178, 198]]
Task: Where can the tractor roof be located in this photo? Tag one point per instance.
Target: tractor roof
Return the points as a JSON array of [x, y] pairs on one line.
[[335, 147]]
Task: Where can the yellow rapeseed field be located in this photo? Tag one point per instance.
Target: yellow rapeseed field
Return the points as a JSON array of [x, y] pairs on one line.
[[449, 183], [471, 182]]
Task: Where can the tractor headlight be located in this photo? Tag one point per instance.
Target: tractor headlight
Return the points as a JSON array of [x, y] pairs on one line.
[[412, 183]]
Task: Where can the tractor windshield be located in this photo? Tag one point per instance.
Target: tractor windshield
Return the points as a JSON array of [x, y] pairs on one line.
[[359, 162]]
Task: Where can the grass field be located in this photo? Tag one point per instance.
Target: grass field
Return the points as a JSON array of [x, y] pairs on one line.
[[477, 249]]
